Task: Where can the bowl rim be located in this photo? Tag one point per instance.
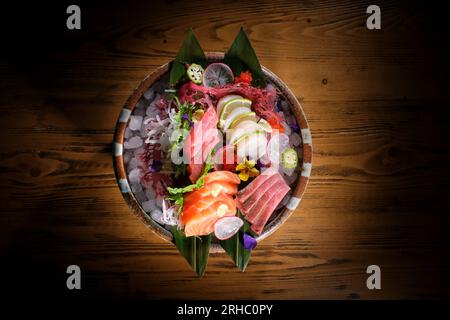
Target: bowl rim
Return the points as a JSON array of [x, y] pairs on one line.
[[119, 166]]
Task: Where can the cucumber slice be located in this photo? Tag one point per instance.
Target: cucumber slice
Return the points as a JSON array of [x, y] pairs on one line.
[[195, 73], [289, 158]]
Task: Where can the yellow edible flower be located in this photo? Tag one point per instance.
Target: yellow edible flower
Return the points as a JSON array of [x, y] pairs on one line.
[[247, 169]]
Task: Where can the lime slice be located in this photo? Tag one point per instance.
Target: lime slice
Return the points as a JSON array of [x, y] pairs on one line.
[[217, 74], [222, 101], [265, 125], [228, 115], [243, 117]]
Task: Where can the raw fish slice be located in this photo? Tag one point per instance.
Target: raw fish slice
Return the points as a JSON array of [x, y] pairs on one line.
[[214, 188], [245, 193], [202, 223], [225, 176], [197, 204], [267, 211], [264, 201], [267, 187], [196, 144]]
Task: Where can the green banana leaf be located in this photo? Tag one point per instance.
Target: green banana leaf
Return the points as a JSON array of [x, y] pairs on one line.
[[241, 57], [194, 249], [190, 52], [234, 247]]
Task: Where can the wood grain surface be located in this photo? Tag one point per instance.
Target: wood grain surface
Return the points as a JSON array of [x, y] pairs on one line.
[[377, 103]]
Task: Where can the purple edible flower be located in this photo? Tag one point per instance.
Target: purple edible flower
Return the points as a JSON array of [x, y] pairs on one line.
[[185, 117], [156, 166], [249, 242], [295, 127]]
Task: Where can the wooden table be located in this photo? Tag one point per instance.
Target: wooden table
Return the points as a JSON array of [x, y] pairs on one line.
[[377, 103]]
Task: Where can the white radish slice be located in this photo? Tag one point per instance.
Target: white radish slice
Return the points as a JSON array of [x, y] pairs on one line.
[[253, 147], [244, 128], [225, 123], [277, 144], [227, 227]]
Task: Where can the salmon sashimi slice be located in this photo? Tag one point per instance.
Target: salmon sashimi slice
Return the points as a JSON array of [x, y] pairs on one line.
[[203, 207], [268, 186], [198, 223], [193, 207], [222, 176], [196, 204], [214, 188], [266, 211], [203, 198], [245, 193]]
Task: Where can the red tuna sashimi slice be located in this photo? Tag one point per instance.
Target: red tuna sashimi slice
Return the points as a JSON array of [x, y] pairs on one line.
[[245, 193], [267, 186], [201, 140], [196, 162], [265, 201], [263, 216]]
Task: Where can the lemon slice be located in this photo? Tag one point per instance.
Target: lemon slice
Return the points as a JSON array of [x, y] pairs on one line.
[[241, 118], [264, 125], [229, 107]]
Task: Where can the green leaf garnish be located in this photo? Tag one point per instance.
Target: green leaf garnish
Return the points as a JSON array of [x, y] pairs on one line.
[[241, 57], [194, 249], [190, 52]]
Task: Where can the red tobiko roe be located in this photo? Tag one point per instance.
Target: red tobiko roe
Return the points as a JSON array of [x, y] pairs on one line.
[[275, 123], [245, 76]]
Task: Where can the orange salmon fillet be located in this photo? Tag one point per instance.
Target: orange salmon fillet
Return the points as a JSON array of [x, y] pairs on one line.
[[202, 208]]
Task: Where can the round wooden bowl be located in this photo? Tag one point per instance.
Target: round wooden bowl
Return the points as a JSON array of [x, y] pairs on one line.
[[119, 166]]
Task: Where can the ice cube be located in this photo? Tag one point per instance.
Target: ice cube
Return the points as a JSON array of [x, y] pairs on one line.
[[136, 122], [287, 128], [285, 106], [149, 94], [290, 179], [290, 119], [296, 139], [128, 133], [139, 112], [132, 164], [159, 201], [157, 215], [148, 205], [127, 156], [135, 175], [150, 193], [133, 143], [136, 187], [140, 196], [165, 142], [151, 111], [140, 104]]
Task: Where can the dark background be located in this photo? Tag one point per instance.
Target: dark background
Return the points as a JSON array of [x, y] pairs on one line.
[[378, 107]]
